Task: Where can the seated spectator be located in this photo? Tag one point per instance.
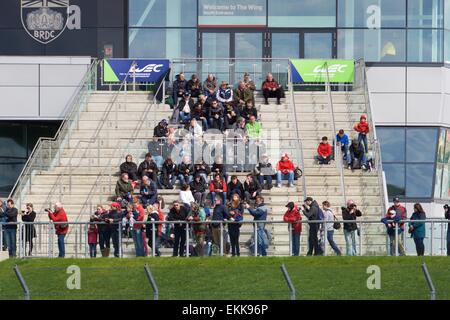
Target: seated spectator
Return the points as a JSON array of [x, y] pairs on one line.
[[124, 190], [250, 84], [324, 153], [249, 110], [224, 94], [362, 127], [161, 130], [218, 187], [271, 89], [198, 188], [200, 112], [130, 168], [185, 106], [179, 88], [168, 174], [253, 128], [148, 168], [285, 169], [218, 167], [241, 95], [216, 116], [202, 169], [239, 129], [265, 171], [235, 187], [149, 191], [210, 86], [358, 158], [186, 196], [185, 170], [195, 130], [231, 115], [252, 188], [156, 149], [194, 86], [343, 141]]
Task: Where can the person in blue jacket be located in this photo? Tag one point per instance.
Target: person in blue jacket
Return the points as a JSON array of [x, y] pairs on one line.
[[343, 141], [259, 213], [417, 229], [390, 221]]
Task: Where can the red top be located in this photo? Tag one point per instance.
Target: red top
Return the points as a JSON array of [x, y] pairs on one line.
[[270, 84], [324, 150], [293, 216], [362, 127], [92, 234], [59, 216], [214, 185], [141, 215], [285, 166]]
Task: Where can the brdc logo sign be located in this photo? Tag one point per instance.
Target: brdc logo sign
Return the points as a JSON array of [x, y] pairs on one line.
[[46, 20]]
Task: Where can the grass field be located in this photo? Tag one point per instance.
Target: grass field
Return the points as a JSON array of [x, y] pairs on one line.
[[228, 278]]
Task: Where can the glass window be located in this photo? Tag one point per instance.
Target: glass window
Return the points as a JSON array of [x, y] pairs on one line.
[[447, 44], [386, 45], [302, 13], [438, 181], [445, 192], [447, 14], [13, 140], [216, 46], [425, 13], [421, 144], [425, 45], [419, 180], [392, 142], [371, 13], [395, 179], [447, 148], [232, 13], [248, 45], [318, 45], [163, 13], [10, 170], [285, 45]]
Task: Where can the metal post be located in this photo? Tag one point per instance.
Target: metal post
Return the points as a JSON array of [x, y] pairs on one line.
[[442, 239], [187, 239], [360, 239], [120, 241], [23, 284], [431, 238], [256, 238], [429, 281], [153, 239], [152, 281], [396, 239], [325, 237], [1, 237], [76, 243], [288, 281], [50, 241], [86, 241], [221, 238], [290, 239]]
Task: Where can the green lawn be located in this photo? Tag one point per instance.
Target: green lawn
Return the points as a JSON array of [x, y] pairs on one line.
[[228, 278]]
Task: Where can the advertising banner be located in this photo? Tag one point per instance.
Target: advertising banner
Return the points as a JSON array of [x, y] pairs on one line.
[[151, 71], [316, 70], [232, 13]]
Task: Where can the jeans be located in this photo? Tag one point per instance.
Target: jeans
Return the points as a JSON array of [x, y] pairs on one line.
[[401, 248], [420, 247], [322, 160], [185, 117], [167, 182], [363, 138], [267, 178], [10, 237], [179, 241], [157, 244], [213, 123], [262, 238], [182, 179], [313, 240], [333, 245], [149, 199], [61, 246], [159, 160], [295, 238], [350, 242], [138, 243], [92, 250], [204, 122], [289, 176], [224, 197]]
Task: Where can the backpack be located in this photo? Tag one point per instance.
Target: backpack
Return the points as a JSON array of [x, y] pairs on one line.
[[356, 163]]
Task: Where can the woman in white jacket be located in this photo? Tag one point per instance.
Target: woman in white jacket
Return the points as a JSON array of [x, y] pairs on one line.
[[186, 196], [329, 218]]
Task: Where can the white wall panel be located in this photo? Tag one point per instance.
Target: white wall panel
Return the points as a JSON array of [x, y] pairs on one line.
[[388, 108], [386, 79], [19, 101], [424, 79], [424, 109]]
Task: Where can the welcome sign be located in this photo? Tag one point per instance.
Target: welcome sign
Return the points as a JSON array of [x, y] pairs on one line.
[[316, 70], [232, 13]]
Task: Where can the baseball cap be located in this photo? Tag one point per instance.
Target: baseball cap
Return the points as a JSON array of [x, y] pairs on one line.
[[290, 205], [115, 204], [396, 199]]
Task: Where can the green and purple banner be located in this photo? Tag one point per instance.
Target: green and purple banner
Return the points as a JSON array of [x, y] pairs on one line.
[[316, 71]]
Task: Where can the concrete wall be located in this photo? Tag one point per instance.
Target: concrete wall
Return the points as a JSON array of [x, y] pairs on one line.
[[39, 88]]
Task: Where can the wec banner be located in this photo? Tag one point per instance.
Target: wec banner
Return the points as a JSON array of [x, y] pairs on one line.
[[316, 70], [116, 70]]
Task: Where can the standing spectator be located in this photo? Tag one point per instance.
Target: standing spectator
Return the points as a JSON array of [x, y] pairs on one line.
[[324, 153], [329, 218], [417, 229], [312, 210], [249, 110], [224, 94], [254, 128], [3, 219], [447, 216], [265, 171], [259, 213], [124, 190], [285, 168], [138, 214], [153, 216], [179, 88], [59, 217], [235, 214], [28, 217], [11, 227], [362, 127], [104, 232], [113, 219], [400, 214], [218, 187], [194, 86], [293, 216], [235, 186], [252, 188], [271, 89], [197, 216], [350, 228], [391, 222], [343, 142], [130, 168], [169, 174], [92, 237], [185, 170], [216, 116], [186, 196], [148, 168], [178, 213], [210, 86], [358, 158], [149, 191], [198, 188], [185, 106], [220, 213], [161, 130], [241, 95], [202, 169]]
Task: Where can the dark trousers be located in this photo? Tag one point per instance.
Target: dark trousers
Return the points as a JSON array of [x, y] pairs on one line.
[[234, 232], [157, 242], [200, 197], [92, 250], [420, 247], [61, 246], [10, 237], [448, 241], [115, 240], [104, 239], [322, 160], [273, 94], [313, 241], [179, 241], [30, 246], [295, 236]]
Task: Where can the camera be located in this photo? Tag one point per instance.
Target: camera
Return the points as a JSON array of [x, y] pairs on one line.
[[47, 210]]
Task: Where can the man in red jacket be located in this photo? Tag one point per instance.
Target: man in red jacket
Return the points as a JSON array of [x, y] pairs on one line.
[[138, 216], [271, 89], [362, 127], [324, 153], [59, 216], [285, 168], [294, 217]]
